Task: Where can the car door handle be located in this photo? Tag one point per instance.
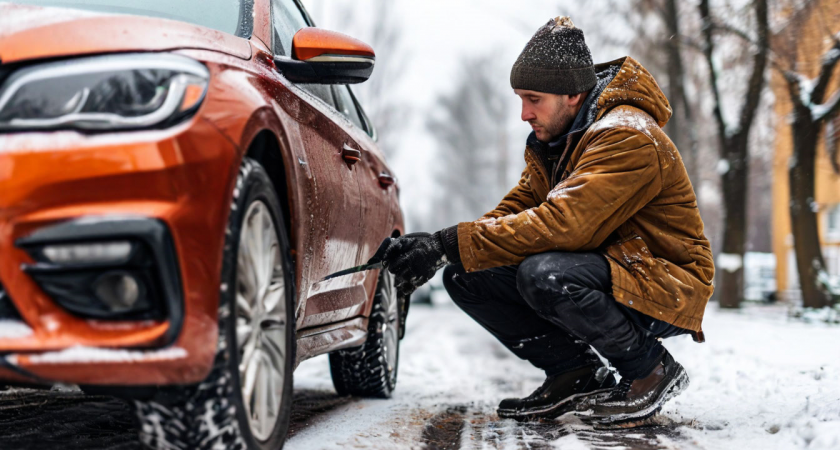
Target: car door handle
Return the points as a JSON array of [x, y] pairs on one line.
[[351, 155], [386, 180]]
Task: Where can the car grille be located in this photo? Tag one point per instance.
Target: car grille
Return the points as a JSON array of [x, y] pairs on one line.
[[7, 308]]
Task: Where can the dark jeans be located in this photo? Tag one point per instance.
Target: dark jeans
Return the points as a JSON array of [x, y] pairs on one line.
[[551, 308]]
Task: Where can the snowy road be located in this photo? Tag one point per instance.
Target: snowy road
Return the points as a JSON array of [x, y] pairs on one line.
[[760, 382]]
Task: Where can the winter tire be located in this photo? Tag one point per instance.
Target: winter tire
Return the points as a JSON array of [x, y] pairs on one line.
[[245, 402], [370, 370]]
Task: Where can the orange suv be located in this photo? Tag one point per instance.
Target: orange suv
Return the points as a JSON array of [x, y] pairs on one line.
[[177, 179]]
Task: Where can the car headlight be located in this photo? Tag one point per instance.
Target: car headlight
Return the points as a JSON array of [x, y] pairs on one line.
[[103, 92]]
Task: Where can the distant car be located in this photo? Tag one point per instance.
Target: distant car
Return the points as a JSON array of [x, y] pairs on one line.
[[176, 180]]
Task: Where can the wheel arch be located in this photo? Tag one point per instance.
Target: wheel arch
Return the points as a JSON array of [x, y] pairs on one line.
[[265, 149]]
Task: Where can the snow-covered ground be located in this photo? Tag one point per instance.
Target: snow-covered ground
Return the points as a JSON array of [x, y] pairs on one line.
[[759, 382]]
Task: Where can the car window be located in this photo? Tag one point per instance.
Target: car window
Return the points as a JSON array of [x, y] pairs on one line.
[[321, 91], [231, 16], [287, 19], [368, 125], [345, 105]]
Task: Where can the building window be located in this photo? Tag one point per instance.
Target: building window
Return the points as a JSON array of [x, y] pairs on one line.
[[833, 222]]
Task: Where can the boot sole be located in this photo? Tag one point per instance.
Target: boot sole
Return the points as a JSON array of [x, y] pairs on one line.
[[558, 409], [646, 421], [674, 388]]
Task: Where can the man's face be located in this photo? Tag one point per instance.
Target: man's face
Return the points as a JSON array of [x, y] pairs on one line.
[[550, 115]]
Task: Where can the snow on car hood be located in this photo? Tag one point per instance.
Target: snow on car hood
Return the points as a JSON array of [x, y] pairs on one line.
[[32, 32]]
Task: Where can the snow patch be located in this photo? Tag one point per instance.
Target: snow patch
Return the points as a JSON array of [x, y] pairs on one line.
[[14, 329], [570, 442], [831, 56], [832, 284], [83, 354], [722, 166], [806, 86], [819, 112], [730, 262]]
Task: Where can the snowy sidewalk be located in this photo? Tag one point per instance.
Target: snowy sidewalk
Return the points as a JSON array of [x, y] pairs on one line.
[[759, 382]]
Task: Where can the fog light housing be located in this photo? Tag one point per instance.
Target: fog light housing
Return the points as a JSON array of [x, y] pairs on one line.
[[109, 268], [118, 290]]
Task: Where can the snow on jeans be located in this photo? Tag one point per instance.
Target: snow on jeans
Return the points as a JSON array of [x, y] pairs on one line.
[[552, 307]]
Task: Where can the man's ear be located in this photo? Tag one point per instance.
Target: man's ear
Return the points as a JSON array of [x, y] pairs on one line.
[[575, 99]]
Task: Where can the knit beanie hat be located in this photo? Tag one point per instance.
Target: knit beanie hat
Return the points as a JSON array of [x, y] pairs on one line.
[[556, 61]]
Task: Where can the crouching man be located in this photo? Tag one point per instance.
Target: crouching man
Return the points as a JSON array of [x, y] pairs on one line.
[[600, 245]]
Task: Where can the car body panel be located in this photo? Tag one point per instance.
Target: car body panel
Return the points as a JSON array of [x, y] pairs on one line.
[[185, 176]]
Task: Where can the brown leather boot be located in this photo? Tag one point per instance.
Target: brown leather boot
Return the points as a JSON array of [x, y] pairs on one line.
[[635, 400], [559, 394]]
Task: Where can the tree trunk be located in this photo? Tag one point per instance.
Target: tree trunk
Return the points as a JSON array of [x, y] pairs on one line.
[[803, 217], [734, 162], [680, 128], [734, 183]]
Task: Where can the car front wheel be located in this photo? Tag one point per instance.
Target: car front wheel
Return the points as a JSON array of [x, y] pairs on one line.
[[245, 402]]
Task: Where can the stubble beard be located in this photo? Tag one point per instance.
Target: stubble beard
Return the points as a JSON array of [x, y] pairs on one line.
[[559, 124]]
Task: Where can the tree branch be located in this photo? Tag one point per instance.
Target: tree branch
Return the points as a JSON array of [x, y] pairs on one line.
[[793, 80], [827, 109], [829, 61], [689, 42], [756, 83], [735, 31], [708, 51]]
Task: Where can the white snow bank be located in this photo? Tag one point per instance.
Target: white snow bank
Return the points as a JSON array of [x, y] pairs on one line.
[[760, 381], [729, 262]]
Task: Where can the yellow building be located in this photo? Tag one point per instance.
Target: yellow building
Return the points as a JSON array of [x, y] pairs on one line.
[[819, 23]]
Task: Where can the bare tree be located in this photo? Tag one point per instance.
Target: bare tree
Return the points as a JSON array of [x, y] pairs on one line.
[[683, 119], [657, 41], [733, 141], [812, 109], [471, 130], [388, 113]]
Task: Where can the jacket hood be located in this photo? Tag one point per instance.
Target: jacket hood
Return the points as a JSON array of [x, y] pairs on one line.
[[634, 86], [32, 32]]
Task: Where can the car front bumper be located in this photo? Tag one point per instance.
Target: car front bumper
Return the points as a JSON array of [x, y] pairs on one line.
[[177, 178]]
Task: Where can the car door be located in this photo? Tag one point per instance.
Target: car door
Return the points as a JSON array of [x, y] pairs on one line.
[[331, 242], [376, 182]]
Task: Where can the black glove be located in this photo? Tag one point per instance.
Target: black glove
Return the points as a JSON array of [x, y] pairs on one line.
[[414, 259]]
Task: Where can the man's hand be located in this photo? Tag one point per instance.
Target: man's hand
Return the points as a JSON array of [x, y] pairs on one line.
[[414, 259]]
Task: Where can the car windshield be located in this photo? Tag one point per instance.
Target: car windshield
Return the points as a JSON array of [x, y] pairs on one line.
[[231, 16]]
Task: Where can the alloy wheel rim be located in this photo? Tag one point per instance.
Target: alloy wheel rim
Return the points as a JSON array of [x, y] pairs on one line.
[[260, 320], [390, 328]]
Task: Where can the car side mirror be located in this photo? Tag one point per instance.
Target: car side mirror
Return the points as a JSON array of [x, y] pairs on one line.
[[326, 57]]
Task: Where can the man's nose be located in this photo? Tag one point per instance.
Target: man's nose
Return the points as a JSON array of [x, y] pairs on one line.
[[527, 113]]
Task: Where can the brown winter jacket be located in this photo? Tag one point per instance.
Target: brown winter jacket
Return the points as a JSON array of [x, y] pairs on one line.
[[624, 193]]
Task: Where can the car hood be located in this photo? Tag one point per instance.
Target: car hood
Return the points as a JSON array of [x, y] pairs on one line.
[[32, 32]]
